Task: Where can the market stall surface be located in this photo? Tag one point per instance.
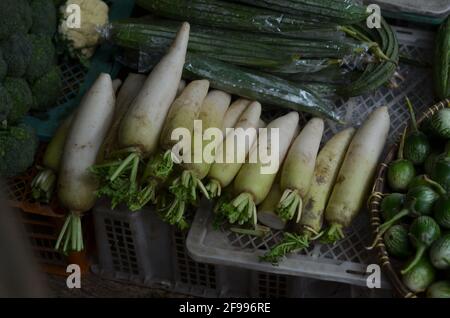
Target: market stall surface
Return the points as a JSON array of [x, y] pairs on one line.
[[93, 286]]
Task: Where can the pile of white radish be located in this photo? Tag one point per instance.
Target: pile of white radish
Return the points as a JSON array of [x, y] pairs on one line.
[[141, 126], [252, 185], [184, 188], [342, 177], [143, 146], [328, 163]]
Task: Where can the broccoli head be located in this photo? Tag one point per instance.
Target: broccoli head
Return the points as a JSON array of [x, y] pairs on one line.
[[44, 17], [15, 17], [3, 67], [17, 54], [21, 98], [5, 105], [18, 145], [46, 90], [42, 58]]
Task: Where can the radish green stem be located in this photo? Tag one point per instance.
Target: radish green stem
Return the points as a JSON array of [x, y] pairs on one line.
[[72, 235], [420, 250], [241, 210], [43, 185], [119, 178], [123, 165], [184, 188], [63, 230], [291, 242], [333, 234], [214, 189], [260, 231], [157, 170], [290, 204]]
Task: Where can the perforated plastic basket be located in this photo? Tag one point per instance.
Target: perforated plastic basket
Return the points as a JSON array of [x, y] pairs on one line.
[[77, 79], [429, 11], [347, 260], [138, 248]]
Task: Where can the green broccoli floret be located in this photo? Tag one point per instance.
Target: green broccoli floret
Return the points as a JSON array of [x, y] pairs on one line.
[[17, 54], [5, 105], [44, 17], [42, 58], [21, 98], [46, 90], [18, 145], [3, 66], [15, 16]]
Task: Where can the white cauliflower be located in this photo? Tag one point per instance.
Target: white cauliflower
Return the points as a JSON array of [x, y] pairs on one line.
[[82, 41]]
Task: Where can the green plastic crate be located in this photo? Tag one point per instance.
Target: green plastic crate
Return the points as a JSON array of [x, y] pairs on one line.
[[77, 79]]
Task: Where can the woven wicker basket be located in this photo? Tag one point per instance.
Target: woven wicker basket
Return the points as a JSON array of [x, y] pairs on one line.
[[379, 188]]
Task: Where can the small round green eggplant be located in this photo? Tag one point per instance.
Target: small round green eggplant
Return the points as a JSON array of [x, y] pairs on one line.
[[391, 205], [440, 253], [439, 289], [418, 201], [399, 174], [421, 275], [441, 171], [423, 232], [441, 211], [417, 146], [397, 242]]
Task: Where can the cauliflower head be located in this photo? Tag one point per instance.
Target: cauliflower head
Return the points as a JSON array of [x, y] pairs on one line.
[[82, 41]]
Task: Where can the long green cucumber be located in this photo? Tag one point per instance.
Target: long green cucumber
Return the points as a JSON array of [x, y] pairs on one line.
[[229, 15], [272, 54], [441, 68], [339, 10], [256, 85]]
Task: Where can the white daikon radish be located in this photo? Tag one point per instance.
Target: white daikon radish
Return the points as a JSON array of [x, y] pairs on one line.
[[355, 176], [253, 182], [116, 85], [267, 214], [127, 93], [298, 169], [233, 114], [185, 187], [76, 184], [181, 87], [237, 142]]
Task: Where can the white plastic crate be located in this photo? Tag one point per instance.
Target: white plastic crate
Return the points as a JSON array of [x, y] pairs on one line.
[[347, 260], [139, 248], [429, 11]]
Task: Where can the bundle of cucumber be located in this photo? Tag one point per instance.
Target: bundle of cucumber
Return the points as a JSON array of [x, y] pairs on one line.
[[417, 213], [314, 49]]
